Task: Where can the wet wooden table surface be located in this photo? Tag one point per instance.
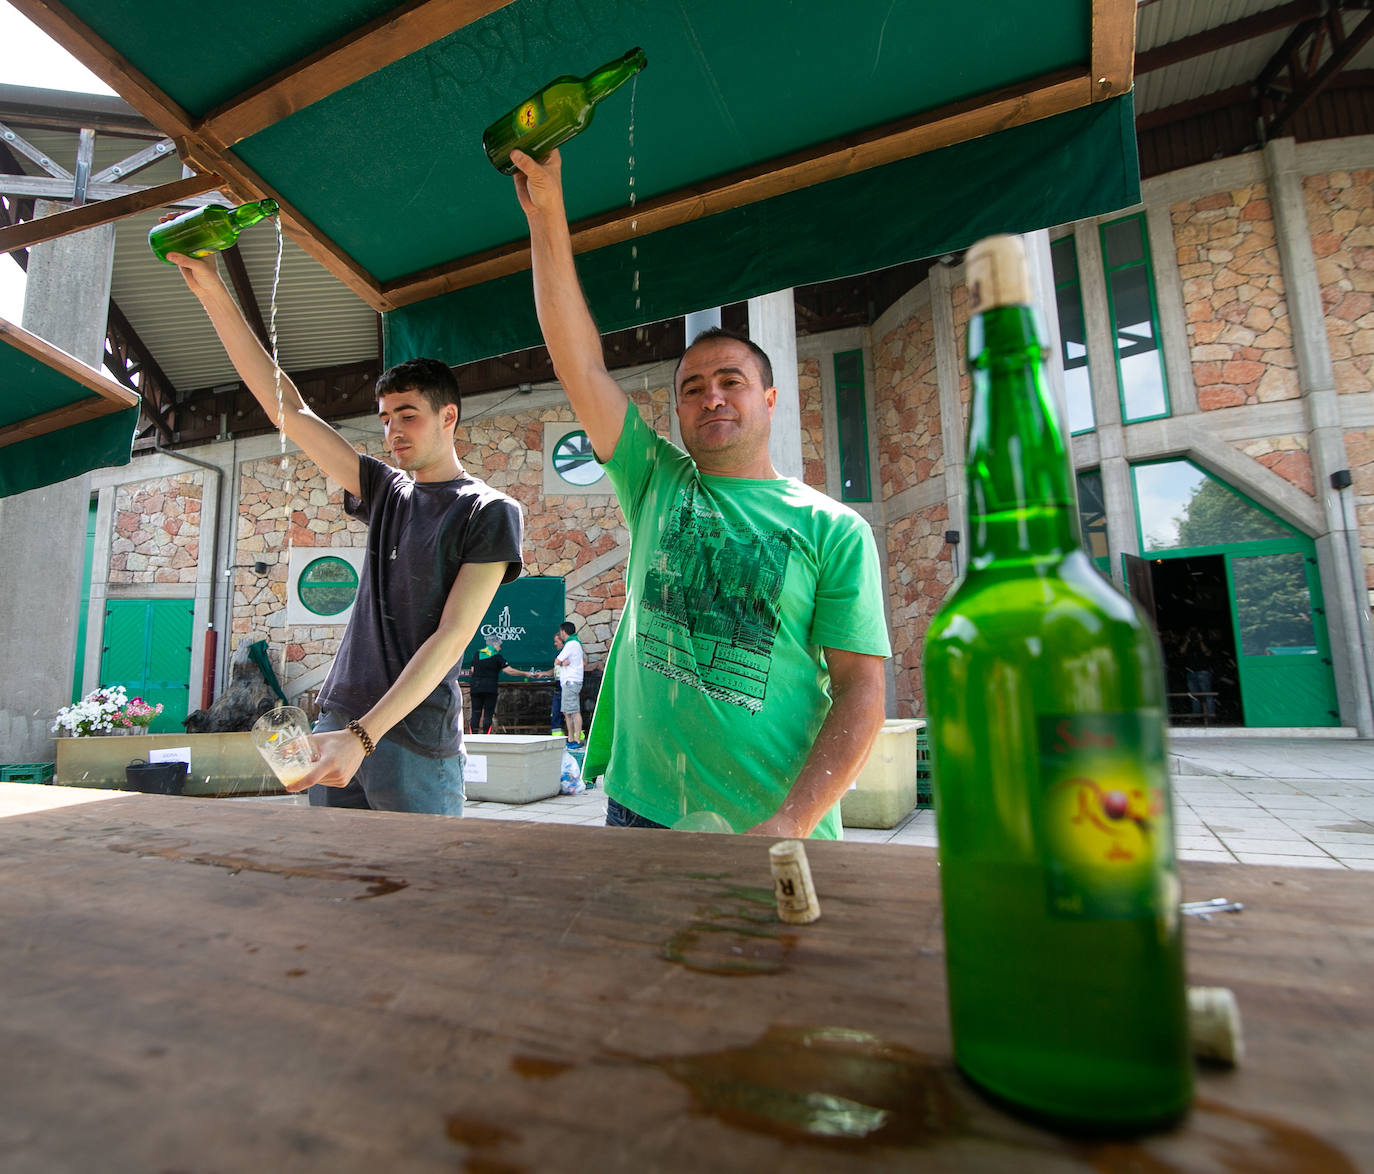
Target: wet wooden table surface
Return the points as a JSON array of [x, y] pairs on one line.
[[205, 987]]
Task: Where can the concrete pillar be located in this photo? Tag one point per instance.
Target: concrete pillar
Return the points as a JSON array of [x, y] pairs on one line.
[[698, 321], [773, 326], [1042, 280], [1118, 498], [1347, 599], [66, 302]]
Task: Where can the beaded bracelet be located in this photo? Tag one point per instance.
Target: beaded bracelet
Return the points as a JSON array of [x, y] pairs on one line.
[[368, 746]]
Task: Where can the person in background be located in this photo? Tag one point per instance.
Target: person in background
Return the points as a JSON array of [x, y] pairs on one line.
[[746, 676], [484, 676], [569, 664], [439, 543]]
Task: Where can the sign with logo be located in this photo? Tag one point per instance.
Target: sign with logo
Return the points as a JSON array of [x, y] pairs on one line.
[[322, 584], [523, 615]]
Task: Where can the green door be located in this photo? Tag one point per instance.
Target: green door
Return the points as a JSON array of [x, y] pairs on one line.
[[147, 649], [1284, 655]]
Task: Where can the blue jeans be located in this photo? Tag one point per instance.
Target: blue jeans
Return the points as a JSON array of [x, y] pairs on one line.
[[393, 778], [620, 816]]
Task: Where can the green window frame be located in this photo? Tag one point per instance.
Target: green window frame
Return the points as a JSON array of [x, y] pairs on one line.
[[1092, 519], [851, 415], [1073, 335], [1132, 304]]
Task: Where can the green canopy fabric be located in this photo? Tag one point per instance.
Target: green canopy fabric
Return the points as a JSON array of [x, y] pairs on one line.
[[58, 418], [921, 207], [777, 142]]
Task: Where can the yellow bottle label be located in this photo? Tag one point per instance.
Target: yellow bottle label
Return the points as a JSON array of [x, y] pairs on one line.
[[527, 117], [1102, 815]]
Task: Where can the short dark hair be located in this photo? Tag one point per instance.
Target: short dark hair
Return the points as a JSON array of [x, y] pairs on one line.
[[567, 628], [431, 378], [715, 332]]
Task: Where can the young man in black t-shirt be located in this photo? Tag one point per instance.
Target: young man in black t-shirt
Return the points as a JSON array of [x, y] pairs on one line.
[[439, 543], [484, 684]]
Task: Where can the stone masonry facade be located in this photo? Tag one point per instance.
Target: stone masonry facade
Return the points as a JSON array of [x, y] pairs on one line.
[[156, 537]]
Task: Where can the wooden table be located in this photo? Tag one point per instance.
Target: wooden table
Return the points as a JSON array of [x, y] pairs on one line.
[[207, 986]]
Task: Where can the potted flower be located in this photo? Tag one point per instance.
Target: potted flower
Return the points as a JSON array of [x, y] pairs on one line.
[[140, 714], [99, 712], [105, 711]]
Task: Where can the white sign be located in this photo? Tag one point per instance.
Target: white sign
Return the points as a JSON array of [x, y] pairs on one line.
[[171, 754], [475, 769]]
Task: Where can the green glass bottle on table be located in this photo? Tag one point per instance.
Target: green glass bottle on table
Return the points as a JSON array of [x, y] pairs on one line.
[[1045, 693], [207, 230], [560, 110]]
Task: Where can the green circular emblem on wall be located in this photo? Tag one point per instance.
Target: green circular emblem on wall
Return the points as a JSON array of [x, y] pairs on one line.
[[574, 461], [327, 586]]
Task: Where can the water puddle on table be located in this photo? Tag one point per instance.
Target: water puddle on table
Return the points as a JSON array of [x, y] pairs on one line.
[[737, 934]]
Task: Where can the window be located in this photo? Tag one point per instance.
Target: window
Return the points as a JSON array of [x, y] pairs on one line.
[[1073, 335], [1092, 517], [1135, 319], [853, 427], [1181, 506]]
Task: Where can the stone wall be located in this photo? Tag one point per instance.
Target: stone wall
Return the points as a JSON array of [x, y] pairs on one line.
[[810, 402], [920, 575], [156, 536], [1239, 334], [285, 503], [1340, 216], [907, 405]]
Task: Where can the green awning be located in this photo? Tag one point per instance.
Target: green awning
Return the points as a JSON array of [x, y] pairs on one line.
[[775, 143], [58, 417]]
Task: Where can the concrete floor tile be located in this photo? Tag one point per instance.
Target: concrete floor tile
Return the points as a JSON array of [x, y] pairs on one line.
[[1359, 865], [1348, 849], [1214, 855], [1242, 844], [1288, 861]]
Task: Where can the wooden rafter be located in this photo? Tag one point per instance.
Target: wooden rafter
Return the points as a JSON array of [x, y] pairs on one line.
[[1309, 82], [1113, 48], [131, 362], [984, 115], [364, 51], [243, 290], [1237, 32], [45, 228], [205, 144], [108, 396]]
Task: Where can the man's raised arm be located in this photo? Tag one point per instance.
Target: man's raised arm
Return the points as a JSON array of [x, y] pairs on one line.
[[334, 455], [569, 332]]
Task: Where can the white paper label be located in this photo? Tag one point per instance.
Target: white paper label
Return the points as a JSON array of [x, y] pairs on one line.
[[171, 754], [475, 769]]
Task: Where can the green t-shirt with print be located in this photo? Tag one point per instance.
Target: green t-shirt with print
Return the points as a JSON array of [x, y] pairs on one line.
[[715, 685]]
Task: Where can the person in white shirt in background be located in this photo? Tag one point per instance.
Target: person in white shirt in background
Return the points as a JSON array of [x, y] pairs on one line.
[[569, 665]]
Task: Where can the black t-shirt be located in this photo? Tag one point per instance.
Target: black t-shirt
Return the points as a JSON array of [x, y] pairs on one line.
[[419, 534], [486, 672]]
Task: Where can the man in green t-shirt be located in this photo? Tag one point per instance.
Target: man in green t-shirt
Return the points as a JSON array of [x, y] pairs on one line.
[[746, 676]]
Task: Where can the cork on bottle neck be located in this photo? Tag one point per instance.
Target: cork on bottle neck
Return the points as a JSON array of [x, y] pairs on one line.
[[997, 273]]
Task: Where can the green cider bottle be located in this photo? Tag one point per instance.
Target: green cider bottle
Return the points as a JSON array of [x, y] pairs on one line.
[[203, 231], [1045, 693], [552, 116]]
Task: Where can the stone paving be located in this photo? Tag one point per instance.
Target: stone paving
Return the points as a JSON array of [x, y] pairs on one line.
[[1302, 802]]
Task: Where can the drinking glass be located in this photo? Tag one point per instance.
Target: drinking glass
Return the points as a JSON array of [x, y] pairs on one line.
[[282, 736]]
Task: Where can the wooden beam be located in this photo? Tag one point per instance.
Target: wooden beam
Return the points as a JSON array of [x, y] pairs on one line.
[[243, 288], [40, 187], [1341, 56], [157, 393], [1207, 104], [918, 135], [56, 420], [46, 228], [1113, 47], [363, 51], [108, 396], [1235, 33]]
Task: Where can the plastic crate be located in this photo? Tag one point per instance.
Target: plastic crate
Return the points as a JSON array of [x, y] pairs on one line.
[[924, 795], [27, 772]]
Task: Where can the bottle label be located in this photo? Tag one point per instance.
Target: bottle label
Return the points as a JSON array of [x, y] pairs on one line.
[[527, 117], [1102, 815]]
